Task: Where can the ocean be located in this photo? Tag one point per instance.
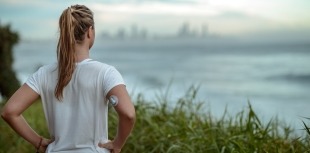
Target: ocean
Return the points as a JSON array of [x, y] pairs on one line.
[[273, 76]]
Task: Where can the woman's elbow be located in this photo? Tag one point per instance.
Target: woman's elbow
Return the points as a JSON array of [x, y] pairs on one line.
[[5, 114], [130, 117]]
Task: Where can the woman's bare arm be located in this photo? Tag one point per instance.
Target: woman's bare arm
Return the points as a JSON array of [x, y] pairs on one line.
[[12, 114], [126, 115]]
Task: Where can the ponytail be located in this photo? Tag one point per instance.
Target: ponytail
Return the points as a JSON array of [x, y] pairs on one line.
[[72, 30]]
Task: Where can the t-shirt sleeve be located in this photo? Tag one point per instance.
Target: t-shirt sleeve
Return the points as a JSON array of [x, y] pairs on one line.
[[112, 78], [33, 81]]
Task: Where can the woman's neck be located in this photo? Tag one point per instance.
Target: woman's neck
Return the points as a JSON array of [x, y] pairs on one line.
[[81, 52]]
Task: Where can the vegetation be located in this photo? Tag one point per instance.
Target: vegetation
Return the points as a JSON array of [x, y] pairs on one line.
[[8, 80], [181, 128]]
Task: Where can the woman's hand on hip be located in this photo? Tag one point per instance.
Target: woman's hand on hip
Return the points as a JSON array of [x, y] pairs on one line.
[[110, 146], [44, 144]]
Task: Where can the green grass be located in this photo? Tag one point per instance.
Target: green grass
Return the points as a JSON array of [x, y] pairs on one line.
[[182, 128]]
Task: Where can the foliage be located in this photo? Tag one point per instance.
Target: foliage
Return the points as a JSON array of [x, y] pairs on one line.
[[185, 128], [182, 126], [8, 81]]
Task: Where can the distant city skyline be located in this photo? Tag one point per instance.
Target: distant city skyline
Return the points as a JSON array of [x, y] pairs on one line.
[[39, 19], [136, 32]]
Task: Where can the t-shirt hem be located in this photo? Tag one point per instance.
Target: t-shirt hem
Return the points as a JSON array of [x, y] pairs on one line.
[[32, 87]]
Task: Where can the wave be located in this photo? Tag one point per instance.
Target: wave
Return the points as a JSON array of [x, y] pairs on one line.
[[305, 78]]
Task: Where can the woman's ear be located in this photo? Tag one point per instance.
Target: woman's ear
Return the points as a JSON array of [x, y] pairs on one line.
[[90, 32], [91, 36]]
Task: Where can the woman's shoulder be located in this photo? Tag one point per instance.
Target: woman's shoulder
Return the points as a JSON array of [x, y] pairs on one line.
[[48, 67], [100, 65]]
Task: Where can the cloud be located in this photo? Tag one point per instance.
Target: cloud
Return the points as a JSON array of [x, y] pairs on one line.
[[155, 16], [160, 16], [154, 8]]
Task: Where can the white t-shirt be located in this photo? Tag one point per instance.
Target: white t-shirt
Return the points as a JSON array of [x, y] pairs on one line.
[[79, 122]]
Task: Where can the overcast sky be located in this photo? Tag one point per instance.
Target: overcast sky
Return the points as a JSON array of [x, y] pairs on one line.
[[36, 19]]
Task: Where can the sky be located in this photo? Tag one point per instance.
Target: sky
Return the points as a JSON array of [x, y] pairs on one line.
[[35, 19]]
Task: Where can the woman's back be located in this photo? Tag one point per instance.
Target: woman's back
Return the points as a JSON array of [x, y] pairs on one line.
[[79, 121]]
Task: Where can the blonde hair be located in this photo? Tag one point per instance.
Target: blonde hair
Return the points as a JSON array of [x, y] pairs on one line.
[[73, 24]]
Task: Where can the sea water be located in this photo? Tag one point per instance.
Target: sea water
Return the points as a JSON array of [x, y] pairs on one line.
[[273, 76]]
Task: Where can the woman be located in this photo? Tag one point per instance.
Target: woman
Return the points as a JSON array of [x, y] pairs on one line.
[[74, 93]]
